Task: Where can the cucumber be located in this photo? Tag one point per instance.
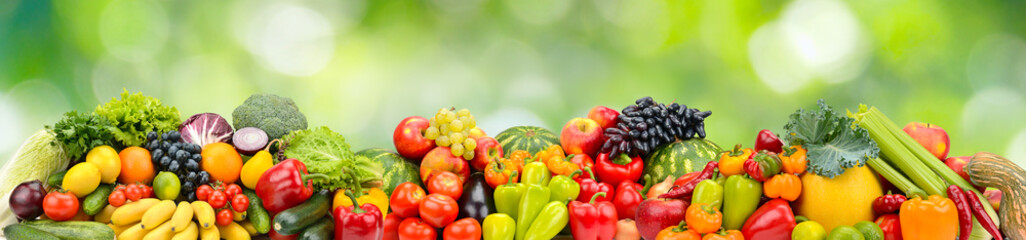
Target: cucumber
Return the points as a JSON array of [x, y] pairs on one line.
[[258, 216], [295, 219], [97, 200], [74, 230], [55, 179], [20, 231], [322, 230]]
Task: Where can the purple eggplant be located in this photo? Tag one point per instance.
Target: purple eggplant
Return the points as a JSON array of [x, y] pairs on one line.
[[27, 199]]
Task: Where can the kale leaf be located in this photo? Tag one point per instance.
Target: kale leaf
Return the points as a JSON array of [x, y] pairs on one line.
[[834, 142]]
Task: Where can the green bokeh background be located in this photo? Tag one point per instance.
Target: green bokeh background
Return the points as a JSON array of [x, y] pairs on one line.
[[360, 66]]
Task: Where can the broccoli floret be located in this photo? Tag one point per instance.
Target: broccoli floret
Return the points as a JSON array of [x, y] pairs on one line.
[[274, 114]]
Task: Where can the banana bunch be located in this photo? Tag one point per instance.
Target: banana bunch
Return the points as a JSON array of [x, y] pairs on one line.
[[151, 218]]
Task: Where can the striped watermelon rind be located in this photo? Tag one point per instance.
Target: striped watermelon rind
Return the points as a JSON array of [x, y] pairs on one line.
[[529, 138], [681, 157], [397, 169]]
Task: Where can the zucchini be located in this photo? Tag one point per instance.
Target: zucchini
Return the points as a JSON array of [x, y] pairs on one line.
[[74, 230], [295, 219], [55, 179], [20, 231], [258, 216], [322, 230], [97, 200]]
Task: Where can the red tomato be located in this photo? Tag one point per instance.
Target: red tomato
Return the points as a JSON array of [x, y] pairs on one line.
[[446, 183], [438, 210], [467, 228], [133, 192], [416, 229], [116, 198], [224, 217], [406, 199], [147, 191], [203, 192], [60, 206], [217, 199], [119, 187], [231, 190], [240, 203], [392, 226]]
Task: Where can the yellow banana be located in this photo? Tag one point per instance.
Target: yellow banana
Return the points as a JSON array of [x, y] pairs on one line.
[[210, 233], [161, 232], [158, 214], [182, 217], [191, 232], [133, 233], [233, 231], [204, 214], [104, 215], [130, 213], [119, 229], [249, 228]]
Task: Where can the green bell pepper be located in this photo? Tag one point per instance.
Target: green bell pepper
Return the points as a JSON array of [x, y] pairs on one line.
[[498, 226], [564, 188], [708, 192], [507, 196], [534, 199], [551, 219], [536, 173], [741, 196]]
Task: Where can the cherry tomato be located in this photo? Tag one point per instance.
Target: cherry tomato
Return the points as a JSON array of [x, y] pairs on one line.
[[203, 192], [119, 187], [224, 217], [467, 228], [217, 199], [446, 183], [133, 192], [147, 191], [406, 199], [60, 206], [392, 226], [116, 198], [240, 203], [416, 229], [438, 210], [231, 190]]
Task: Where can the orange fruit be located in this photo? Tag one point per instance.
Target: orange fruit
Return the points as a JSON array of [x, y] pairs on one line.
[[136, 166], [222, 162]]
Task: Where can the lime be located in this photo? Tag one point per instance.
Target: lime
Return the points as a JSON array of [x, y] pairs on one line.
[[869, 230], [166, 186], [845, 233], [808, 230]]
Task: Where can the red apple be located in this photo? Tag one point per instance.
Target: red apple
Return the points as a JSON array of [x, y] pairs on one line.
[[477, 132], [932, 137], [409, 138], [994, 197], [440, 160], [486, 150], [655, 214], [581, 136], [958, 165], [606, 117]]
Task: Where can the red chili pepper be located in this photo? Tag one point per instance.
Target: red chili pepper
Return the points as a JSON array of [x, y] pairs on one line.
[[358, 223], [965, 218], [627, 197], [590, 187], [285, 185], [981, 214], [684, 191], [593, 220], [774, 220], [766, 140], [614, 171], [890, 224], [888, 203]]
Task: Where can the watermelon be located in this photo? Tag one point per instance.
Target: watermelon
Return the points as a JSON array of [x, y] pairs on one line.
[[397, 169], [529, 138], [681, 157]]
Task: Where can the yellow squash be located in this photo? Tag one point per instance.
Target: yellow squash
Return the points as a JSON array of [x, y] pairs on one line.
[[842, 201], [255, 167]]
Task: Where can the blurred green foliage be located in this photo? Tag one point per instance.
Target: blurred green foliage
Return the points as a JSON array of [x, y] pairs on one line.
[[360, 66]]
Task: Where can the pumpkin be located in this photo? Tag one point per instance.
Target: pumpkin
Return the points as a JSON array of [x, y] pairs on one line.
[[990, 170]]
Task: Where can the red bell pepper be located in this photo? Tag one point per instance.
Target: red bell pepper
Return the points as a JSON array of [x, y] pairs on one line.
[[891, 225], [590, 187], [614, 171], [358, 223], [766, 140], [626, 200], [763, 165], [889, 203], [593, 220], [774, 220], [285, 185], [583, 161]]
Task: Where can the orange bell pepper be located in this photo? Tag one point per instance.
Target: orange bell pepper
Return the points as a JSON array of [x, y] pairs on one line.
[[725, 235], [785, 186], [703, 218], [678, 232], [498, 172], [933, 218], [518, 158], [794, 159], [732, 162]]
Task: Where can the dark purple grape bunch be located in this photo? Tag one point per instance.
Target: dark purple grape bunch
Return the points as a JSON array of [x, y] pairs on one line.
[[170, 154], [642, 127]]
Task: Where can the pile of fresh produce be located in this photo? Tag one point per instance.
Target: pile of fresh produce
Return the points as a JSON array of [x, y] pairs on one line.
[[132, 169]]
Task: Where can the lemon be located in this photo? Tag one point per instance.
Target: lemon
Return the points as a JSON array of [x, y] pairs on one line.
[[82, 179], [107, 159]]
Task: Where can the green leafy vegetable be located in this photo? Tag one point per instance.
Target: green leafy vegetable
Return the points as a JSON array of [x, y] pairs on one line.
[[834, 142], [325, 151], [134, 115], [80, 132], [36, 159]]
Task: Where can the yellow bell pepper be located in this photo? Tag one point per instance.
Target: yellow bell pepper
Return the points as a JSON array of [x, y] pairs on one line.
[[256, 166], [374, 196], [933, 218]]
